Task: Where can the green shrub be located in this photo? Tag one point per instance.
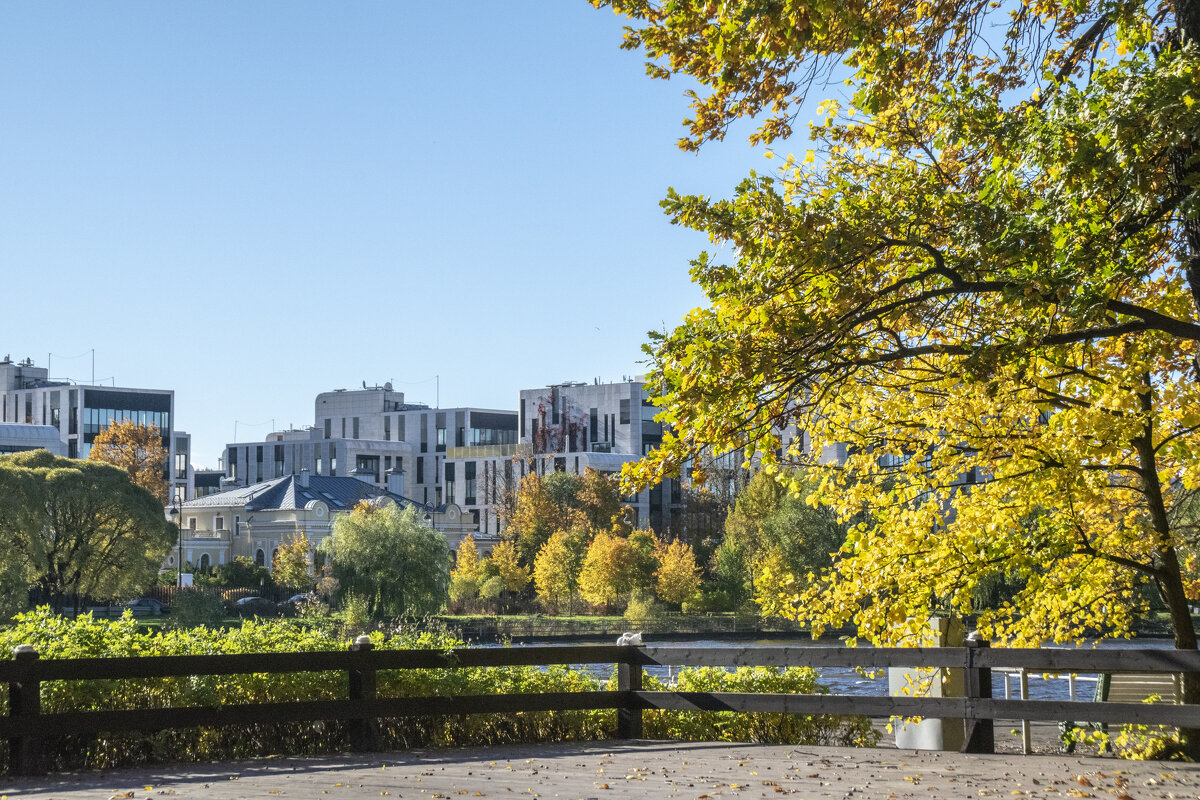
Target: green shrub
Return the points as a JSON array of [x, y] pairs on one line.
[[729, 726], [192, 608], [59, 637]]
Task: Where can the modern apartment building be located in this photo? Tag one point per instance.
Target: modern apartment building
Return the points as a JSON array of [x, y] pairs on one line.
[[78, 412], [566, 427], [371, 433]]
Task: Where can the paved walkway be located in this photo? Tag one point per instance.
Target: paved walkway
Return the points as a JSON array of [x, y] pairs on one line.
[[612, 770]]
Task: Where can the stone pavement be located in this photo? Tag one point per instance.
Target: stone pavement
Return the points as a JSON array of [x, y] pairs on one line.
[[612, 770]]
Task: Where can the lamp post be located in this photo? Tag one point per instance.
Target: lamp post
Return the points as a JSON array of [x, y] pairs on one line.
[[176, 514]]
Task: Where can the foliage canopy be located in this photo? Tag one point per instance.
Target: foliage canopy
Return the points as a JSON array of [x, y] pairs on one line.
[[982, 281], [79, 527]]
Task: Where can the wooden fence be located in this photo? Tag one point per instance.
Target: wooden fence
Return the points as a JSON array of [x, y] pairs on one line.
[[25, 726]]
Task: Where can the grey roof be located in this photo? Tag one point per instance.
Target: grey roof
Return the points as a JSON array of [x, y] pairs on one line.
[[13, 430], [340, 494]]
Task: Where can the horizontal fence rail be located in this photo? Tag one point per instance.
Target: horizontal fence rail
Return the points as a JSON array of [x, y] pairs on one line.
[[26, 726]]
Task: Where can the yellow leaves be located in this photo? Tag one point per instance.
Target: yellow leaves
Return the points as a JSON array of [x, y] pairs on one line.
[[809, 156]]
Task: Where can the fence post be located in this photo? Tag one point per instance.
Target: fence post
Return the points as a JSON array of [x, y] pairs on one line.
[[25, 703], [629, 679], [364, 731], [980, 734]]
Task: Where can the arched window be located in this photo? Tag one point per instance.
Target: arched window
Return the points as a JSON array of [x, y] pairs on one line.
[[260, 558], [204, 563]]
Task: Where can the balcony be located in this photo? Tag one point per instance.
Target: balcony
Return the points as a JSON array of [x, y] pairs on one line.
[[491, 451]]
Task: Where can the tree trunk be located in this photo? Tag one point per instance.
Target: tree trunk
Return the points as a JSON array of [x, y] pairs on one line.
[[1168, 576]]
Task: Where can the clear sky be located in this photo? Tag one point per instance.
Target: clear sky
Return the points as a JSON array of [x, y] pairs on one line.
[[251, 203]]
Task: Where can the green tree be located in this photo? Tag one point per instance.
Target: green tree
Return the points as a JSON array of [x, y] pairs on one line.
[[387, 556], [137, 449], [79, 527], [290, 567], [240, 573], [678, 577]]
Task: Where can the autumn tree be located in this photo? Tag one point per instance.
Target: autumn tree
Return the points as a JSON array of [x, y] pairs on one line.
[[557, 502], [507, 565], [607, 574], [137, 449], [467, 574], [677, 577], [79, 528], [290, 566], [388, 556], [557, 566], [982, 280]]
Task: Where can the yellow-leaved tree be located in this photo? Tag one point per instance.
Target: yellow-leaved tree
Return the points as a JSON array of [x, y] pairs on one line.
[[505, 562], [677, 577], [608, 569], [290, 567], [137, 449], [557, 566], [466, 576], [981, 284]]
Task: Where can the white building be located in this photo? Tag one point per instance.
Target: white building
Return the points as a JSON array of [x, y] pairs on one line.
[[78, 412], [253, 521]]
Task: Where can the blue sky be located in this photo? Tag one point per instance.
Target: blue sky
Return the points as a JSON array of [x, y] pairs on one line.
[[251, 203]]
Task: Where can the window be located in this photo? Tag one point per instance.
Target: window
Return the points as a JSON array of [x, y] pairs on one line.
[[279, 449], [218, 523], [205, 564], [424, 434], [332, 460], [441, 440], [191, 523], [343, 427], [231, 465], [560, 464], [237, 524], [420, 469], [328, 428], [469, 483], [317, 458], [387, 429], [354, 427], [624, 412], [449, 483], [594, 423], [400, 428], [260, 558]]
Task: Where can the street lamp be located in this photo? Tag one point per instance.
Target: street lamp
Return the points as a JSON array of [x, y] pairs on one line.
[[178, 517]]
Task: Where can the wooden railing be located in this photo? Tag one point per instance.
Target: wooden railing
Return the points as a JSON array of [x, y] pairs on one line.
[[26, 726]]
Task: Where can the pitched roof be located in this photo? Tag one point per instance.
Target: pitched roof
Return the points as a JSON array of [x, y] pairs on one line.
[[340, 494]]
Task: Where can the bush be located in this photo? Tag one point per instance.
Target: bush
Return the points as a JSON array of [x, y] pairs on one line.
[[730, 726], [642, 607], [193, 608], [59, 637]]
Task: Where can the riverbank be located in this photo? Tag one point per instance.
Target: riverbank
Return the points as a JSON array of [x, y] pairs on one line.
[[614, 770], [676, 627]]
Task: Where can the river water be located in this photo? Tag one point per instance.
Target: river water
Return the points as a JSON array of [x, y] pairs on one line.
[[845, 680]]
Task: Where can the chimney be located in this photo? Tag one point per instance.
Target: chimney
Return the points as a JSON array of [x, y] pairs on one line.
[[395, 480], [364, 475], [303, 478]]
